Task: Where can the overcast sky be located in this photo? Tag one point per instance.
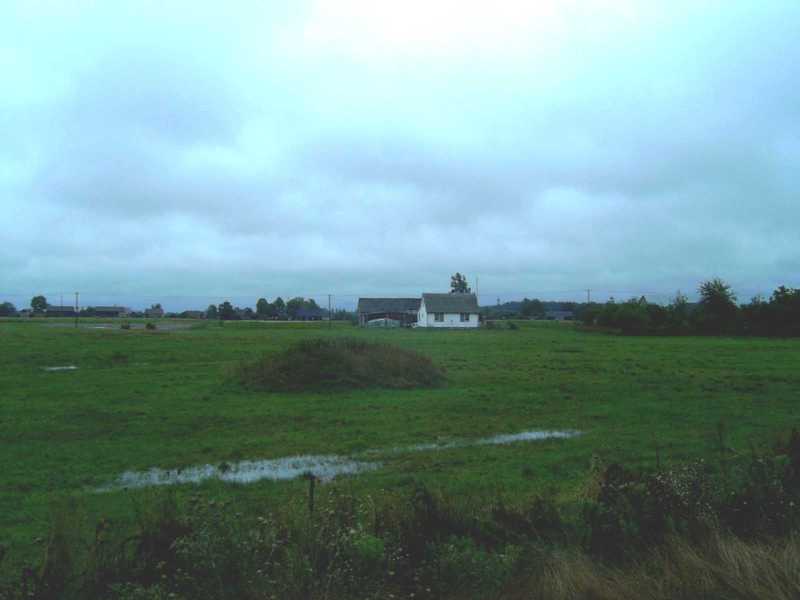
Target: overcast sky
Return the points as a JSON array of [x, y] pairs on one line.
[[198, 150]]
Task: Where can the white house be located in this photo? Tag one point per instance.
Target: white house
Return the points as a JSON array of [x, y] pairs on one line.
[[448, 310]]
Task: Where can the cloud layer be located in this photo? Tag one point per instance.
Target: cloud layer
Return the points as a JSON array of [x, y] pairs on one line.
[[368, 147]]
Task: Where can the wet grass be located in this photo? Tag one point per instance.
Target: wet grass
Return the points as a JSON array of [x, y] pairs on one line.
[[141, 399]]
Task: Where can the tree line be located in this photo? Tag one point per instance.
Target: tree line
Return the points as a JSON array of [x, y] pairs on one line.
[[295, 308], [716, 313]]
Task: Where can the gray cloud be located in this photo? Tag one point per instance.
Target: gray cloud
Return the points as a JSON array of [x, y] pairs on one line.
[[151, 150]]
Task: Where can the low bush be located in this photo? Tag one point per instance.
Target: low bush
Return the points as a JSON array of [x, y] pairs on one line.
[[340, 363], [151, 326]]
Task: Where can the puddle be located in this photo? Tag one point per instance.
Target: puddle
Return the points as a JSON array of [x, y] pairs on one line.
[[324, 467], [527, 436], [534, 435], [65, 368]]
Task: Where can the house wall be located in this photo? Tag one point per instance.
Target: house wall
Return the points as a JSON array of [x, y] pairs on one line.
[[451, 320]]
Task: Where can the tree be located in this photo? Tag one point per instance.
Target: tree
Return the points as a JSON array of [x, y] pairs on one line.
[[458, 284], [784, 312], [7, 309], [294, 305], [280, 307], [39, 304], [718, 310], [262, 308], [678, 314], [532, 308], [211, 312], [226, 311]]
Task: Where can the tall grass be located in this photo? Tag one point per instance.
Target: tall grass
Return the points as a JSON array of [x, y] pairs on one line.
[[339, 363], [722, 568]]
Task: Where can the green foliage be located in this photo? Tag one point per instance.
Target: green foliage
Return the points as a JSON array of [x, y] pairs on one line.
[[39, 304], [678, 315], [226, 312], [717, 312], [532, 308], [294, 305], [262, 308], [458, 284], [7, 309], [588, 314], [780, 316], [211, 312], [337, 364], [150, 326]]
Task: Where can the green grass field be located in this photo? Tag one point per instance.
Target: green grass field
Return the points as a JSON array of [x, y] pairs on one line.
[[142, 399]]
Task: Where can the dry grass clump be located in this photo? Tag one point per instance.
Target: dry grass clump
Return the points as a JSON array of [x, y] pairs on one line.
[[340, 363], [724, 567]]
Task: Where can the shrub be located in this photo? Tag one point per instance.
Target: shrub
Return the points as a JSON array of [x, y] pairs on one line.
[[125, 325], [150, 325], [340, 363]]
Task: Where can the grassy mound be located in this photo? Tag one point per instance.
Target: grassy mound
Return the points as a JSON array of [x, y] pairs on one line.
[[340, 363]]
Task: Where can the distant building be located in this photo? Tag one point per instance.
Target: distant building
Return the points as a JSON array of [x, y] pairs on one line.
[[432, 310], [403, 310], [449, 310], [309, 314], [109, 311], [154, 312], [60, 311]]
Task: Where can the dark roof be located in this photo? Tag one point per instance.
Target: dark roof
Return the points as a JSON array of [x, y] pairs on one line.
[[305, 312], [451, 303], [388, 305], [108, 308], [54, 309]]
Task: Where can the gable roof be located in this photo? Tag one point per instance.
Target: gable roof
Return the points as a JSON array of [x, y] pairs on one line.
[[388, 305], [451, 303]]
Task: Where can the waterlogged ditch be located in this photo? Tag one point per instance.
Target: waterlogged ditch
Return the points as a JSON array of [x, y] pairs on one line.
[[322, 467]]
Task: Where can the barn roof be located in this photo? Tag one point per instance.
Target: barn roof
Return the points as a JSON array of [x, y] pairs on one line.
[[388, 305], [451, 303]]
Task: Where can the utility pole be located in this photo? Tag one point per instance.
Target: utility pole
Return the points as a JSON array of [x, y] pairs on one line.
[[330, 315], [477, 294], [588, 296], [76, 309]]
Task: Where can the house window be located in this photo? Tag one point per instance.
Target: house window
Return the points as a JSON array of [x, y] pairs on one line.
[[438, 316], [464, 317]]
